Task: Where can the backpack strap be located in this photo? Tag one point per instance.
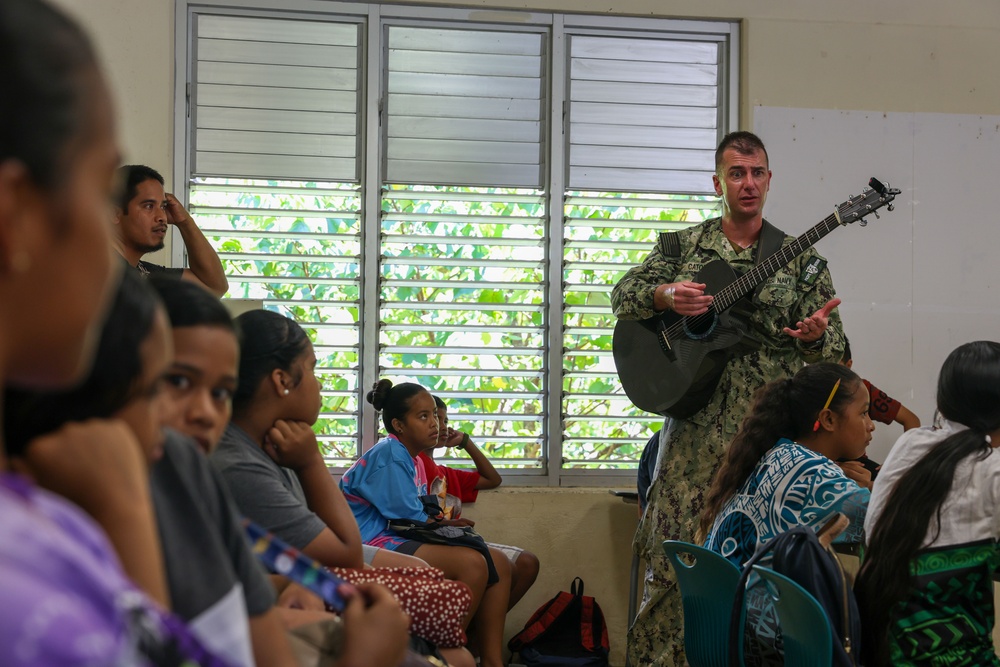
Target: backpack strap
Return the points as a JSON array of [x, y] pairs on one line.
[[540, 621], [737, 616], [588, 635], [671, 243]]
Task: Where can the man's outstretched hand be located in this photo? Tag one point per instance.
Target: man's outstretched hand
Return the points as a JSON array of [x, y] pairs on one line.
[[812, 328]]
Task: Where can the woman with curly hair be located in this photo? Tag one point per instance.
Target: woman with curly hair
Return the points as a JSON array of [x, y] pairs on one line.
[[779, 471]]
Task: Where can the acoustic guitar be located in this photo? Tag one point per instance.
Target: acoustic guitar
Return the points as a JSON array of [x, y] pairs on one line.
[[671, 364]]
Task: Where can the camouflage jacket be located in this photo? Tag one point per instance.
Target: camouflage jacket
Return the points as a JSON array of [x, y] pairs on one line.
[[792, 294]]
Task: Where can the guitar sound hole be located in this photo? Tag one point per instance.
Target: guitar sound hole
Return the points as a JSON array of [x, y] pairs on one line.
[[701, 326]]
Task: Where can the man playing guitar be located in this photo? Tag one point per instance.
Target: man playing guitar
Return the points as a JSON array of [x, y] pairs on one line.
[[791, 322]]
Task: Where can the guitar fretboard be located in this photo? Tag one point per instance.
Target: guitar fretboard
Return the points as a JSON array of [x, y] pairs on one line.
[[743, 285]]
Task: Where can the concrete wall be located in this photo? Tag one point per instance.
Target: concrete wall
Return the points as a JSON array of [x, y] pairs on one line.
[[584, 533], [891, 55]]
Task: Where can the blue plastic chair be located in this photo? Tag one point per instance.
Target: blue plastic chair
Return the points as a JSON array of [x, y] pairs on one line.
[[805, 628], [708, 589]]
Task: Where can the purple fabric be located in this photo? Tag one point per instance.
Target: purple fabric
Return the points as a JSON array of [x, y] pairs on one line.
[[64, 599]]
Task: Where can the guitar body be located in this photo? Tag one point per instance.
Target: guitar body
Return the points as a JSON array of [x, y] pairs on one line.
[[680, 380]]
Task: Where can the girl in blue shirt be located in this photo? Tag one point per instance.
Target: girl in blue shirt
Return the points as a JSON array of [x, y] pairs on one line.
[[387, 483]]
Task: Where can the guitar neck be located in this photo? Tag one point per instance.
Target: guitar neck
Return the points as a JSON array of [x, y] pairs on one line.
[[770, 266]]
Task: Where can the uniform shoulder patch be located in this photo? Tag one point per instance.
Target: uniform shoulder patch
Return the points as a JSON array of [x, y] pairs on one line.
[[812, 270], [670, 244]]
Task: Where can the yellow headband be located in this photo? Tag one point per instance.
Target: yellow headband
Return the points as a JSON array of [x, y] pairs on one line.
[[829, 400]]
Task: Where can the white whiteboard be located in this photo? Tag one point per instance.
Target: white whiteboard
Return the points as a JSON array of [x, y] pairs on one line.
[[921, 280]]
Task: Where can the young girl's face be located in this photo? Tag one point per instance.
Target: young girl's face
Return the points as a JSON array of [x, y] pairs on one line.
[[853, 425], [304, 401], [200, 383], [418, 429], [144, 411], [68, 273]]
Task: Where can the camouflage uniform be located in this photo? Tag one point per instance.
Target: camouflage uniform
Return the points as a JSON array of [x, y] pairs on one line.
[[691, 449]]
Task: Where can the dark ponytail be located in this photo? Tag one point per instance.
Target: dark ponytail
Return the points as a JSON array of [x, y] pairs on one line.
[[393, 401], [269, 341], [786, 408], [968, 393]]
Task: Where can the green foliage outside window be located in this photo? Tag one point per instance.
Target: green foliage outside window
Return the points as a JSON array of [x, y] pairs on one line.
[[463, 302]]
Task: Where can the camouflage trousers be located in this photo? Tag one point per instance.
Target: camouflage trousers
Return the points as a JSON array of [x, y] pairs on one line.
[[689, 455]]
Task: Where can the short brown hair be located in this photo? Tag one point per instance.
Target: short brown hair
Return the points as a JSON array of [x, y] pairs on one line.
[[743, 142]]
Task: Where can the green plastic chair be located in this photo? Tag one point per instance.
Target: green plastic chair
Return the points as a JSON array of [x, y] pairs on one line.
[[708, 588], [805, 628]]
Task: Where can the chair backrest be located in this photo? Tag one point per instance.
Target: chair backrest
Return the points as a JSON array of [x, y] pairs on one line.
[[708, 587], [805, 628]]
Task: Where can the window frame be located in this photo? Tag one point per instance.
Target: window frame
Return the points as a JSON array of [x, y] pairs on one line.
[[375, 18]]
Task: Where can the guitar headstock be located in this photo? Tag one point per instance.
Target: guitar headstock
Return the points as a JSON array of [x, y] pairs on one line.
[[871, 199]]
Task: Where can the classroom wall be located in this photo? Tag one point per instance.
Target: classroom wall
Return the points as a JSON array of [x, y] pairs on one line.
[[907, 56]]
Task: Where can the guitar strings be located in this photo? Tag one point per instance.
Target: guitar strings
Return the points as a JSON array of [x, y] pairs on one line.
[[748, 280]]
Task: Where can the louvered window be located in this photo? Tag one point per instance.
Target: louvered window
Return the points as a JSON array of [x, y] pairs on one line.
[[644, 114], [462, 309], [276, 184], [605, 233], [449, 201], [465, 107], [276, 98], [644, 121]]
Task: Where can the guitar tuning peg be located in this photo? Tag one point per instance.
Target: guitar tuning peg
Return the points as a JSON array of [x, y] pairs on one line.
[[862, 222], [875, 213], [890, 207]]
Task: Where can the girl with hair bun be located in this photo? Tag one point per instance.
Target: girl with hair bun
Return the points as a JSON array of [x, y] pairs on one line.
[[275, 471], [925, 589], [387, 483], [779, 471]]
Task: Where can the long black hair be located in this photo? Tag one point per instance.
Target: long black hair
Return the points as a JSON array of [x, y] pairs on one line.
[[786, 408], [45, 62], [270, 341], [393, 401], [111, 384], [968, 393]]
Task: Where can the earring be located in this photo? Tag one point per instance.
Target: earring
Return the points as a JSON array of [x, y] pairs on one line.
[[287, 392]]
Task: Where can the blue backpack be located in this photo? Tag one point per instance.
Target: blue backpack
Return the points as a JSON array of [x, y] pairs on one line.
[[799, 555]]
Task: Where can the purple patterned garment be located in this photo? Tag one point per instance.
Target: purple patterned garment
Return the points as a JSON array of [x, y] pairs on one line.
[[64, 599]]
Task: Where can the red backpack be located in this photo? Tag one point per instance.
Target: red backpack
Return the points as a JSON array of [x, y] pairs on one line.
[[566, 631]]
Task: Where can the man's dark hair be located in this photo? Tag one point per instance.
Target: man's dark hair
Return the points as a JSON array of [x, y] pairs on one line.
[[129, 177], [45, 67], [743, 142]]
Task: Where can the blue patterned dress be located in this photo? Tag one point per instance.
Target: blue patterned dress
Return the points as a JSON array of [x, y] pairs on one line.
[[791, 486]]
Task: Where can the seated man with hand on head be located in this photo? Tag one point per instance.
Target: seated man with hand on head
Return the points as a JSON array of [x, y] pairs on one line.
[[142, 217]]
